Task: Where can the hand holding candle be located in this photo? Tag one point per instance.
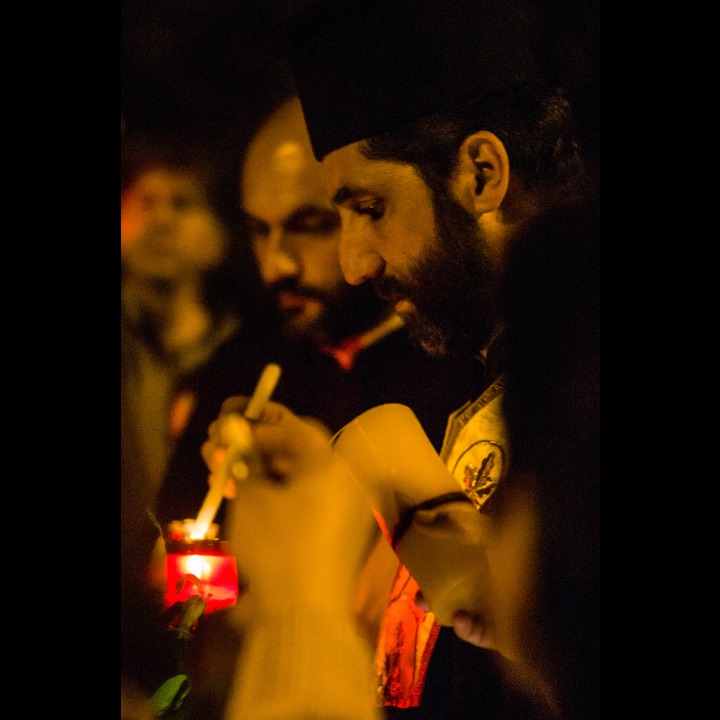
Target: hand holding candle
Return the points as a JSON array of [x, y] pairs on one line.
[[299, 526], [237, 430]]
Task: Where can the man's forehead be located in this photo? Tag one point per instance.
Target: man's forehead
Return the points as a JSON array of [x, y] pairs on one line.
[[343, 169], [349, 174]]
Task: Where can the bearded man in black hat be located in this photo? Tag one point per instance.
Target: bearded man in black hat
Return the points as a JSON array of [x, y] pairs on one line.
[[439, 141]]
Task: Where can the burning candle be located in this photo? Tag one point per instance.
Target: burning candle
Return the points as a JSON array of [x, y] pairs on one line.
[[201, 567]]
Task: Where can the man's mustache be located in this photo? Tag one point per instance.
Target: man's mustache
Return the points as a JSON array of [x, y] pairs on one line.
[[389, 289], [303, 290]]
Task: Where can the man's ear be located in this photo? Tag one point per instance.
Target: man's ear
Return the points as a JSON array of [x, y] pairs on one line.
[[483, 173]]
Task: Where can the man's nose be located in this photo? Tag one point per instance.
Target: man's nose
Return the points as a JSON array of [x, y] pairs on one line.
[[358, 261], [278, 260]]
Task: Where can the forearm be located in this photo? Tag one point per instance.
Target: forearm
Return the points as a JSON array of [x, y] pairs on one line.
[[304, 664]]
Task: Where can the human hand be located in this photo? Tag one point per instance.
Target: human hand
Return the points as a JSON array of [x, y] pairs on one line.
[[300, 529], [470, 627], [298, 524], [223, 433], [231, 430], [474, 630]]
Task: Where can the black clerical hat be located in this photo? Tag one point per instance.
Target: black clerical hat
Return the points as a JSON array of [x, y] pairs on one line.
[[366, 66]]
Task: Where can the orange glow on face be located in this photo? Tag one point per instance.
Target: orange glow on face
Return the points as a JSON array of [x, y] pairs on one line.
[[167, 225]]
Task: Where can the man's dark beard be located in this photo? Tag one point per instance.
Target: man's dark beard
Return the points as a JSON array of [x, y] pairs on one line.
[[350, 310], [454, 287], [354, 310]]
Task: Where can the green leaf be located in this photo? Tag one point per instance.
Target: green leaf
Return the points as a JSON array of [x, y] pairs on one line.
[[170, 695]]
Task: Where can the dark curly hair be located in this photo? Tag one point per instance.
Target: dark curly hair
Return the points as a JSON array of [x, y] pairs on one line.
[[535, 123]]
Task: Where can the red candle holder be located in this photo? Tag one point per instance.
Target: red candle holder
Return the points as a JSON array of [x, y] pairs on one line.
[[201, 567]]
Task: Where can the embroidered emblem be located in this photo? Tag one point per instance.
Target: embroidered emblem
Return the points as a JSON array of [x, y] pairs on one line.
[[481, 466]]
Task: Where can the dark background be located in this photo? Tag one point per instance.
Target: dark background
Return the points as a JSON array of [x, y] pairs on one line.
[[195, 65], [202, 65]]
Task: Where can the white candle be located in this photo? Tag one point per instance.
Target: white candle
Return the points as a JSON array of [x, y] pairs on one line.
[[241, 443]]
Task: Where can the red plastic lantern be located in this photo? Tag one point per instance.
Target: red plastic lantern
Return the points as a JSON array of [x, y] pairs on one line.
[[201, 567]]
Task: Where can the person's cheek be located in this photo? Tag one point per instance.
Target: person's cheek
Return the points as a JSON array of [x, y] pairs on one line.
[[132, 222]]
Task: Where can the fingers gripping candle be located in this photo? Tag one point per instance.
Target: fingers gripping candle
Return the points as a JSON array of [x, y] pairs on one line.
[[238, 429]]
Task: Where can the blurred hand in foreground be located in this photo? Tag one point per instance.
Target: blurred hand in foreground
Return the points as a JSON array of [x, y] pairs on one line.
[[300, 529], [298, 524]]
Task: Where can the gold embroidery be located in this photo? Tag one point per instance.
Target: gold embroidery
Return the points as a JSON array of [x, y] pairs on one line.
[[478, 483]]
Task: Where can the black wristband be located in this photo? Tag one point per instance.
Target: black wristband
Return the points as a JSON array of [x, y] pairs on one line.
[[407, 515]]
